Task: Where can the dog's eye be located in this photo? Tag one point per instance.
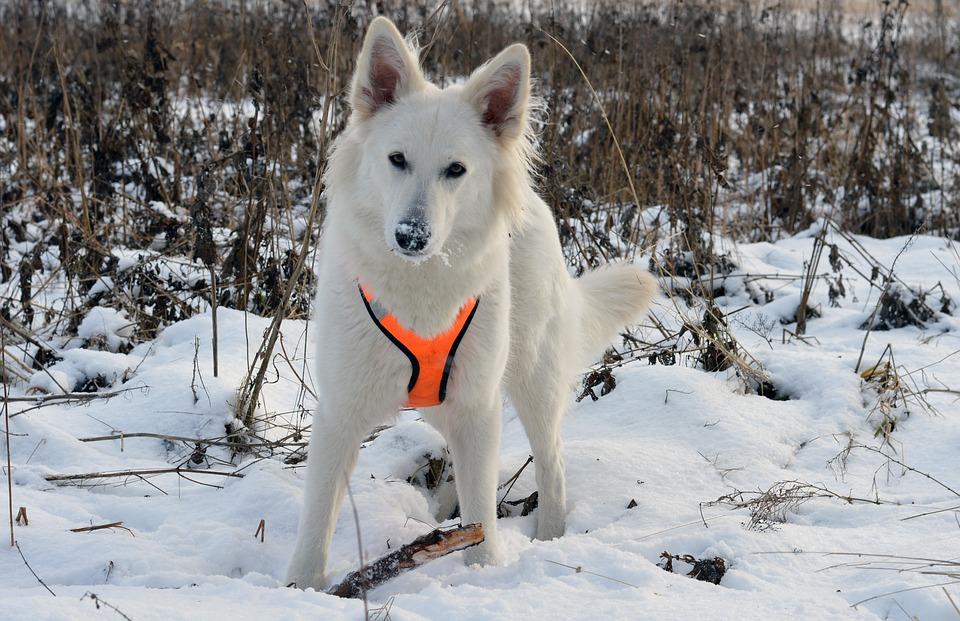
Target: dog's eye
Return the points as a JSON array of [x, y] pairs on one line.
[[455, 170], [398, 160]]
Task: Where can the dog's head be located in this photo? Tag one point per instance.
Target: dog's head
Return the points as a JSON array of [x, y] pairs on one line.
[[431, 160]]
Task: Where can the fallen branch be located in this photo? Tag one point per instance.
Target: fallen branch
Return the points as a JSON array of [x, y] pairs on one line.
[[87, 529], [121, 436], [421, 550], [6, 420], [69, 396], [53, 478]]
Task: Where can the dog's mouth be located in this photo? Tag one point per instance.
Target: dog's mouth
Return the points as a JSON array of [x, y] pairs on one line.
[[415, 257], [412, 257]]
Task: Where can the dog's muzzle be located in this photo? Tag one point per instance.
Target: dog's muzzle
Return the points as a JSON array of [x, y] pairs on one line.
[[412, 236]]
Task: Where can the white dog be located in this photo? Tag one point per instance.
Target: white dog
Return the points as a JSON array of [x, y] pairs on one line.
[[432, 212]]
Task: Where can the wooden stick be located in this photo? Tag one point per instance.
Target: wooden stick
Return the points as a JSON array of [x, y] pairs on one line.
[[86, 529], [158, 436], [208, 441], [6, 420], [213, 316], [421, 550], [53, 478], [70, 396]]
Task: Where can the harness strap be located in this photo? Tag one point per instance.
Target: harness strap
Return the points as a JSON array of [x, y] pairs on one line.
[[431, 360]]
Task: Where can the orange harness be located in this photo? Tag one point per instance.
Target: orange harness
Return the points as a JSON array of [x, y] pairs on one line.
[[431, 359]]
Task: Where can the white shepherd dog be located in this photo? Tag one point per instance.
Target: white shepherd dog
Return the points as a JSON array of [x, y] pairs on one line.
[[432, 211]]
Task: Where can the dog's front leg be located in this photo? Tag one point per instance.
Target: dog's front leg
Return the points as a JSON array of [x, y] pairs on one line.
[[334, 445], [473, 436]]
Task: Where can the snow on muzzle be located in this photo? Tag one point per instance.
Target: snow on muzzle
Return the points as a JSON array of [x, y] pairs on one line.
[[412, 235]]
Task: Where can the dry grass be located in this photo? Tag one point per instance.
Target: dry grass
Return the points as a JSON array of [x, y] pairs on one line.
[[189, 137], [770, 508]]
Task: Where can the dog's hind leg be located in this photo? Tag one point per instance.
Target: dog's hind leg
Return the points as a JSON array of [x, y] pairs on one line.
[[334, 447], [540, 402]]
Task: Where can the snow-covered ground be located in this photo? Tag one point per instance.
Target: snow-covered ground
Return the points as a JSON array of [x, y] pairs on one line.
[[670, 438]]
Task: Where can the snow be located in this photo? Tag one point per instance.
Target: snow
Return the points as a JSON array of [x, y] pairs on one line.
[[78, 366], [672, 438], [111, 325]]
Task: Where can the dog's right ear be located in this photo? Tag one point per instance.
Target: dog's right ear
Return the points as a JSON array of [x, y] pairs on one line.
[[386, 69]]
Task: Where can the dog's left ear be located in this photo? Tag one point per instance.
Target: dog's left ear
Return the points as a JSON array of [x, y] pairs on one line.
[[500, 92]]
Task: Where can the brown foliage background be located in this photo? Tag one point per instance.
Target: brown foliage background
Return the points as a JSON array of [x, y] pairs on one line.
[[147, 145]]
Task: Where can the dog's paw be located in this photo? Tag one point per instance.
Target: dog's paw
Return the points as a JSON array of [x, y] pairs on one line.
[[486, 553], [304, 582], [306, 575], [550, 527]]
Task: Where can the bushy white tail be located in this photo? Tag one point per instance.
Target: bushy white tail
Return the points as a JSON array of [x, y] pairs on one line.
[[613, 296]]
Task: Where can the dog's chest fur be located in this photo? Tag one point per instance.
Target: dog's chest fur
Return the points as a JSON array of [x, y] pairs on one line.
[[357, 356]]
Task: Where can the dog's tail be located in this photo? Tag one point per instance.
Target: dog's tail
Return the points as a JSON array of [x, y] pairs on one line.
[[612, 297]]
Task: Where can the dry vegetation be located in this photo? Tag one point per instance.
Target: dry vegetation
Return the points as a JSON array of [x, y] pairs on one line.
[[159, 157]]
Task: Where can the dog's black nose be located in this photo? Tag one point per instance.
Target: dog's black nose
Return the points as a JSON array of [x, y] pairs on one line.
[[412, 235]]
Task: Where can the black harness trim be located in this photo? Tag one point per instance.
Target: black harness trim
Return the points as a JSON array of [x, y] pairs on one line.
[[448, 365], [415, 372]]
